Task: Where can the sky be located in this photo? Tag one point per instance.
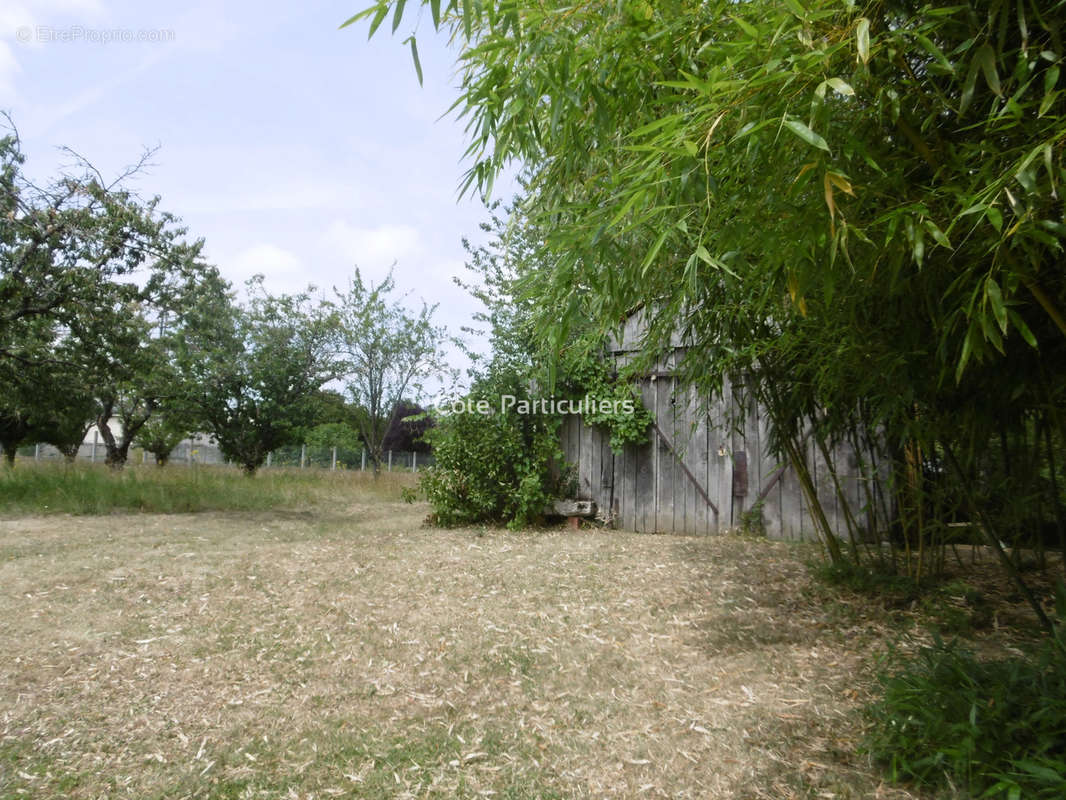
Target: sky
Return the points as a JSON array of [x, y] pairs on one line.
[[295, 149]]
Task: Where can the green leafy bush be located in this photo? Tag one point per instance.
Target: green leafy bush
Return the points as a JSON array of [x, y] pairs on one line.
[[499, 466], [992, 728]]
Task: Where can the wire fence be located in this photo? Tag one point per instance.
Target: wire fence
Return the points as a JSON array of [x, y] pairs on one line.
[[204, 451]]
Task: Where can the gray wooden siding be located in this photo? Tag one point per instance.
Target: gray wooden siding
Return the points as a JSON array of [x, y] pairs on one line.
[[700, 452]]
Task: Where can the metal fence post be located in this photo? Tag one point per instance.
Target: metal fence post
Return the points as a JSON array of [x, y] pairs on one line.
[[414, 462], [333, 459], [390, 461], [303, 455], [37, 452], [96, 436], [268, 458], [363, 467]]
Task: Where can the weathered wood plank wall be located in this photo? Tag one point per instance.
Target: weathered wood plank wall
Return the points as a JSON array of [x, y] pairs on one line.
[[700, 474], [707, 464]]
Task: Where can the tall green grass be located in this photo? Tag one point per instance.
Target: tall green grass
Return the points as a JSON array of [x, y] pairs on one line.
[[993, 729], [88, 489]]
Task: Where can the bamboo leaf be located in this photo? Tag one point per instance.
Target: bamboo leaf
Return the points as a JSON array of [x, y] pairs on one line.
[[366, 12], [1058, 228], [968, 86], [995, 299], [967, 349], [414, 57], [747, 27], [375, 23], [1051, 78], [986, 57], [468, 20], [397, 15], [1050, 167], [841, 182], [434, 10], [938, 235], [829, 196], [841, 87], [804, 170], [649, 259], [1022, 328], [862, 40], [806, 134], [796, 8]]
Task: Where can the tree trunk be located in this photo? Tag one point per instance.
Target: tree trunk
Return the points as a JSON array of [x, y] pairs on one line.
[[113, 458], [161, 458], [9, 455], [117, 454]]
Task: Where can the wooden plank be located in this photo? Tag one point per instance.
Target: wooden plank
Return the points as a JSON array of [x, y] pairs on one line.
[[709, 459], [664, 459], [644, 488], [792, 505], [752, 449], [644, 496], [629, 501], [696, 510], [770, 471], [667, 445], [683, 478], [828, 495], [606, 478], [571, 446], [721, 468], [589, 460]]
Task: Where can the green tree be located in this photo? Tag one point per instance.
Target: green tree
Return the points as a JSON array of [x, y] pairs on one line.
[[164, 431], [334, 434], [140, 374], [255, 372], [387, 353], [91, 279]]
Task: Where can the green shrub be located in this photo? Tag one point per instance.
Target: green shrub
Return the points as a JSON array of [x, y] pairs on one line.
[[497, 467], [992, 728]]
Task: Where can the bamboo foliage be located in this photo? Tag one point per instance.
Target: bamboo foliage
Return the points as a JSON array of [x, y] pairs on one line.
[[858, 202]]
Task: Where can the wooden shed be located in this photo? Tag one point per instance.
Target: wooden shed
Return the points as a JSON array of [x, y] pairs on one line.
[[706, 467]]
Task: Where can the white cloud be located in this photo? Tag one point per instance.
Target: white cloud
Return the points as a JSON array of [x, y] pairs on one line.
[[295, 196], [374, 250], [284, 270]]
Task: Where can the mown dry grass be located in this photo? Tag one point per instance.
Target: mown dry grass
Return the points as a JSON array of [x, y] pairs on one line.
[[349, 652]]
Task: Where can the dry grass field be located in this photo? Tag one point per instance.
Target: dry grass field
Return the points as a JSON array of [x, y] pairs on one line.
[[345, 650]]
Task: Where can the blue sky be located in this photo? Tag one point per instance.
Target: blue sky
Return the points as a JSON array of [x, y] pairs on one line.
[[295, 149]]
